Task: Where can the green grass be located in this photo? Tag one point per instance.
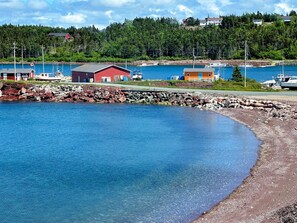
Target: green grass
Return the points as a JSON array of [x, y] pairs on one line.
[[251, 85]]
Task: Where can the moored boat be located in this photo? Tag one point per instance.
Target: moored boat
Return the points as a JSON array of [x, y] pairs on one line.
[[47, 77], [218, 64], [137, 75], [289, 82]]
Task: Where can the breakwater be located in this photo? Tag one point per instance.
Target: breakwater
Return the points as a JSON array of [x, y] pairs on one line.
[[98, 94]]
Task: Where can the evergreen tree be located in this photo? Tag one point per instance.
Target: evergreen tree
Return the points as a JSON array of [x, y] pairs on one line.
[[236, 75]]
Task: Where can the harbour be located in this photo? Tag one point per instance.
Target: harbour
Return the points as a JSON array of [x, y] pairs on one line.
[[94, 172], [165, 72]]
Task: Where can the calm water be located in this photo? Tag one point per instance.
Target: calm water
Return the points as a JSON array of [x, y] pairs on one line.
[[258, 73], [117, 163], [164, 72]]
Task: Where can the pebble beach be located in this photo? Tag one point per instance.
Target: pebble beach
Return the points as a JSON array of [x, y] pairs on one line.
[[269, 193]]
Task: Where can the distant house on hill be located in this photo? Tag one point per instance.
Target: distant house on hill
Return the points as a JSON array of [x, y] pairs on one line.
[[66, 36], [211, 21], [18, 74], [203, 23], [286, 18], [199, 74], [99, 73], [214, 21], [257, 22]]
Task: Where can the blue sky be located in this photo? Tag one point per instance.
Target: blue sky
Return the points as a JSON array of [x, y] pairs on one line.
[[101, 13]]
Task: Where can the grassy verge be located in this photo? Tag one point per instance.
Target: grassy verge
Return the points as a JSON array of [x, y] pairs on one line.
[[251, 85]]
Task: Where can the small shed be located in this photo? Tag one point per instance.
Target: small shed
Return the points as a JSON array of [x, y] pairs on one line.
[[286, 18], [199, 74], [16, 74], [99, 73]]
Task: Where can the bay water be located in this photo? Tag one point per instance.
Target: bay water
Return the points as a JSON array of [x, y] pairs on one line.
[[64, 162]]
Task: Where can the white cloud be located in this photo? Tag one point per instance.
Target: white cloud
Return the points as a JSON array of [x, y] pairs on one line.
[[73, 1], [14, 4], [163, 2], [114, 3], [211, 6], [108, 13], [155, 10], [282, 8], [37, 4], [154, 16], [100, 26], [224, 3], [74, 18], [185, 10]]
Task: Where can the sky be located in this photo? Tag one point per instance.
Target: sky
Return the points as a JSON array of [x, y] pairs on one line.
[[101, 13]]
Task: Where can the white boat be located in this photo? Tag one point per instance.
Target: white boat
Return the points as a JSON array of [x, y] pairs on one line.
[[269, 83], [289, 82], [283, 81], [218, 64], [247, 65], [149, 64], [137, 76], [57, 76], [47, 77]]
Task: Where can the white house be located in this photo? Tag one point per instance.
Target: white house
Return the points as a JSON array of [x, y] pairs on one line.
[[211, 21], [203, 23]]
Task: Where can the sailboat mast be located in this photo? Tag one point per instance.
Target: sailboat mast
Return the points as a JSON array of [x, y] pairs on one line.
[[283, 63], [42, 50], [14, 61]]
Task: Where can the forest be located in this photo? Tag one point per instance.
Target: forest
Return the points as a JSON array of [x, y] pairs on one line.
[[150, 38]]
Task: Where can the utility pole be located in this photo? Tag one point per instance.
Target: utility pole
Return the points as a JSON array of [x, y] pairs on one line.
[[14, 60], [245, 57], [194, 57], [23, 56]]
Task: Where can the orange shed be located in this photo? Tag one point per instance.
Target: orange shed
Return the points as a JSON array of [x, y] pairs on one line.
[[199, 74]]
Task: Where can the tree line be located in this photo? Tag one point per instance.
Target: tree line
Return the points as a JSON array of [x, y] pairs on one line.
[[161, 38]]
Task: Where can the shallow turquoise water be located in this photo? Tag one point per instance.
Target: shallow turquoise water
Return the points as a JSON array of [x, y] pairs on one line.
[[117, 163]]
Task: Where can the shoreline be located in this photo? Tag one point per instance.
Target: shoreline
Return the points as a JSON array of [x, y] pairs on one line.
[[186, 62], [271, 187]]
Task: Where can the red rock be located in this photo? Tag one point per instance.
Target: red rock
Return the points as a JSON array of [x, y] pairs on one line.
[[68, 99], [10, 98], [23, 90], [122, 99]]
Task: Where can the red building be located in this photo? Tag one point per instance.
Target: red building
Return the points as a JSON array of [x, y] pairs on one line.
[[17, 74], [99, 73]]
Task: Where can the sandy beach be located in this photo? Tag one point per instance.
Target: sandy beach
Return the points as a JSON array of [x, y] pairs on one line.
[[269, 194]]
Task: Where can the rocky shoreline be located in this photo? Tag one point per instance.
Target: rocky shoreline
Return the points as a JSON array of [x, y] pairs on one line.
[[268, 195], [97, 94]]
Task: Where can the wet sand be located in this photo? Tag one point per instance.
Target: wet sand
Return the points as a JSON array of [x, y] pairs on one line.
[[272, 184]]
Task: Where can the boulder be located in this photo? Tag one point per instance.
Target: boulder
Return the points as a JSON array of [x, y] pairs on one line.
[[23, 90]]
